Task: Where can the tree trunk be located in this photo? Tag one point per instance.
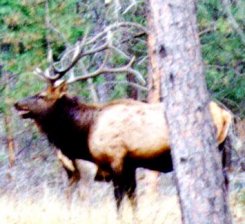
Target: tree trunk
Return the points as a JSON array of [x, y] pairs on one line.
[[197, 162], [154, 76], [154, 88], [9, 138], [8, 121]]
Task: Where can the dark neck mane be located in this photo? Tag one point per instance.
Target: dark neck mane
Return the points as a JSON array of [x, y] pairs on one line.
[[67, 125]]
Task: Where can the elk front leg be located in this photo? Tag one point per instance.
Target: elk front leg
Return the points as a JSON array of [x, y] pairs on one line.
[[102, 175], [75, 176], [70, 167]]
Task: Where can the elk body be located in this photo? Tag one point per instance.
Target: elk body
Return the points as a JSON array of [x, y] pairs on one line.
[[118, 137]]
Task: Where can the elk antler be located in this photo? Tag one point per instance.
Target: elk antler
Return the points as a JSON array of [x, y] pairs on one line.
[[52, 73], [103, 69]]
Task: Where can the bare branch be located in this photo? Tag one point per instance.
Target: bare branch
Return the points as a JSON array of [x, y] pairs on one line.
[[92, 89], [232, 20], [51, 27], [212, 27], [116, 49], [60, 34], [133, 84], [47, 24], [91, 86], [137, 35], [142, 60], [105, 59], [130, 6], [117, 6], [116, 26]]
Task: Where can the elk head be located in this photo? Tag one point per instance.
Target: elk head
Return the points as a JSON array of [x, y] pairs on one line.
[[34, 106]]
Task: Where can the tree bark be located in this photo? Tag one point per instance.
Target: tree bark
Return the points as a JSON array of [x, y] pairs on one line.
[[197, 162], [154, 76]]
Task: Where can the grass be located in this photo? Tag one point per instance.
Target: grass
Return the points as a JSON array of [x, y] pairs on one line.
[[50, 209], [53, 210]]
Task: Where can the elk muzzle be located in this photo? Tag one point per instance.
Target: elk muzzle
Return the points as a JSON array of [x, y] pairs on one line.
[[23, 108]]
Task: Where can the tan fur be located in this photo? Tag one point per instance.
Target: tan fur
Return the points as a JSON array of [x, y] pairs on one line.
[[222, 120], [71, 165], [67, 163], [139, 130]]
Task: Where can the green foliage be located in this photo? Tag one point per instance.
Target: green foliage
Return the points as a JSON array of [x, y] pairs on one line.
[[24, 36], [24, 33], [3, 157], [223, 53]]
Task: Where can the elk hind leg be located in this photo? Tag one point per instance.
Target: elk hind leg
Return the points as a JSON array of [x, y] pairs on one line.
[[125, 183], [129, 179], [225, 149]]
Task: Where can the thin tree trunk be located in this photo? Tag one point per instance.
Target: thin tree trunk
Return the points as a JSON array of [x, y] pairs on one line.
[[9, 138], [132, 92], [101, 20], [8, 123], [92, 90], [197, 162], [154, 76]]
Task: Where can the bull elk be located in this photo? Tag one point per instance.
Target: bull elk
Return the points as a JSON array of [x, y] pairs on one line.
[[118, 137]]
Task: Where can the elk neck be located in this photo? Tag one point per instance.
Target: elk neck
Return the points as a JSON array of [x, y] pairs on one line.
[[67, 124]]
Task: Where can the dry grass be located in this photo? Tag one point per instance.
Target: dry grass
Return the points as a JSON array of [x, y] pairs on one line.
[[237, 206], [52, 210], [32, 192]]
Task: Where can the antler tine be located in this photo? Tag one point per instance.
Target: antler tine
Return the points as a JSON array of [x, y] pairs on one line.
[[52, 74], [75, 58], [103, 69], [57, 74], [44, 75], [39, 72]]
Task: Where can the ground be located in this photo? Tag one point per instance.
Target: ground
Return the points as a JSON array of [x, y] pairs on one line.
[[33, 191]]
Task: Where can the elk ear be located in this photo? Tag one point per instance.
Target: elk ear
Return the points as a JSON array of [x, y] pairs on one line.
[[60, 87], [63, 87]]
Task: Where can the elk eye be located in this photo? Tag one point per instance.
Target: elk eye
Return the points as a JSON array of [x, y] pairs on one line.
[[42, 97]]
